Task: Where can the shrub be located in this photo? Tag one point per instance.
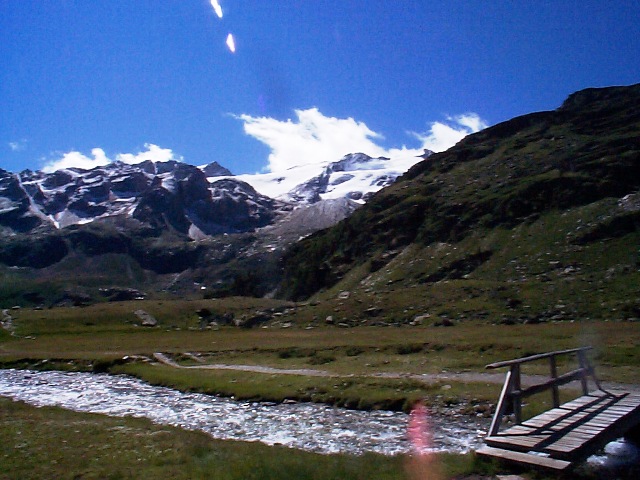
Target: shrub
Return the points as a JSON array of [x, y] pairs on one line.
[[409, 348]]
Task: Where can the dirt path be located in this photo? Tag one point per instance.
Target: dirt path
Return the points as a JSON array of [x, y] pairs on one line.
[[428, 378], [162, 358]]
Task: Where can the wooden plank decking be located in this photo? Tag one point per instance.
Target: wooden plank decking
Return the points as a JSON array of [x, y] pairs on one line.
[[570, 432], [567, 433]]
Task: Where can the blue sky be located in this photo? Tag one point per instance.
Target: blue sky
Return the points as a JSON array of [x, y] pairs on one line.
[[98, 80]]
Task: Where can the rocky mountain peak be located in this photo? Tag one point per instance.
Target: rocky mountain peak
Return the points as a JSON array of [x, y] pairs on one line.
[[214, 169], [170, 194]]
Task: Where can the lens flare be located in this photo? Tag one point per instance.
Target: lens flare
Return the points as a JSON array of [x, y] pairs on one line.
[[217, 8], [231, 43], [422, 462]]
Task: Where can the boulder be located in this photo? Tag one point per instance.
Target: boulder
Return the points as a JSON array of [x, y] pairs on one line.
[[250, 321], [420, 319], [147, 320], [117, 294]]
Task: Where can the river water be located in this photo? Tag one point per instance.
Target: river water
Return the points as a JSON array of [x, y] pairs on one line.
[[306, 426]]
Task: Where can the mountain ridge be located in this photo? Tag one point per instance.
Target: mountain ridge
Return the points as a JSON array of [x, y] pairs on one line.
[[156, 220], [481, 217], [194, 201]]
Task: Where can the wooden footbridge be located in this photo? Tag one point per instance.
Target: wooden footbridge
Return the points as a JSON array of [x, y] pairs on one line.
[[568, 433]]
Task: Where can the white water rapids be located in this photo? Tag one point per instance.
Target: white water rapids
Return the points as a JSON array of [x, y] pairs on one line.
[[306, 426]]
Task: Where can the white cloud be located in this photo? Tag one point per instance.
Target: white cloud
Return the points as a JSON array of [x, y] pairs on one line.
[[442, 136], [98, 158], [472, 121], [153, 153], [18, 146], [314, 138], [78, 160]]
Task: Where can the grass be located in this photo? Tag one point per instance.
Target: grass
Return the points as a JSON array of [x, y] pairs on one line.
[[352, 392], [119, 317], [55, 443], [49, 442], [106, 333], [99, 337], [177, 319]]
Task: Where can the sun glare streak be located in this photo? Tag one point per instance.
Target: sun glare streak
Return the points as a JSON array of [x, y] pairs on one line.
[[217, 8], [422, 462], [231, 43]]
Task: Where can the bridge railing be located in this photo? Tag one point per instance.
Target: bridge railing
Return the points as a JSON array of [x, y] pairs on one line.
[[513, 392]]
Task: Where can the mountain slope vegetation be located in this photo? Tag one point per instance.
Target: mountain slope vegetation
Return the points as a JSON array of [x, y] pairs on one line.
[[534, 218]]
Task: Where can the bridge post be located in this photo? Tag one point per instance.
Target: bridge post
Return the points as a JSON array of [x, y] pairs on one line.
[[517, 386], [554, 374], [584, 366]]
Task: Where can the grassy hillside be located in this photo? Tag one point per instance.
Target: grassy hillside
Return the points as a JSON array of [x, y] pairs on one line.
[[534, 219]]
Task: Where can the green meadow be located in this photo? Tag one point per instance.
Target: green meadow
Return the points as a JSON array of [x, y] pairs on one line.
[[368, 367]]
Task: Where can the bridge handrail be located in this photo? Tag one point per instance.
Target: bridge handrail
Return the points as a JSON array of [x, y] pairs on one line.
[[538, 356], [513, 393]]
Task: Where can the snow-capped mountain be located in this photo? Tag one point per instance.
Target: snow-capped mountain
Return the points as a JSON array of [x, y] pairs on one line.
[[356, 176], [124, 226], [193, 201], [164, 195]]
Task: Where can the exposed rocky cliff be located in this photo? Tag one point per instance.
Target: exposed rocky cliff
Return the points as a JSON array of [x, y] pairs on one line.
[[165, 196]]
